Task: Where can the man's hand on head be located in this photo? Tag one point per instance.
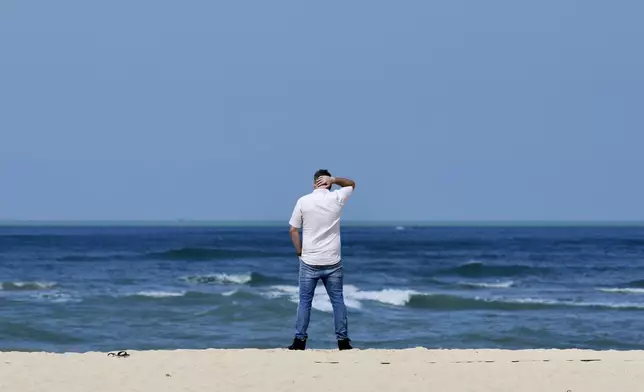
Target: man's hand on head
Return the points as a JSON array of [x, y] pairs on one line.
[[324, 182], [328, 181]]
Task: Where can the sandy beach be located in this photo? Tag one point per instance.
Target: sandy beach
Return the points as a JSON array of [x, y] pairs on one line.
[[318, 370]]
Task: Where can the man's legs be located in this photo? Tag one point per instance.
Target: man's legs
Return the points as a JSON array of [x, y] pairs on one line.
[[308, 279], [333, 283]]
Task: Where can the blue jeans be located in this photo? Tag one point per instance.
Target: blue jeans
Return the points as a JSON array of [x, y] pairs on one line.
[[331, 277]]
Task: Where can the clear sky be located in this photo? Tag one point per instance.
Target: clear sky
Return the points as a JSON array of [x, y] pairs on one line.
[[222, 110]]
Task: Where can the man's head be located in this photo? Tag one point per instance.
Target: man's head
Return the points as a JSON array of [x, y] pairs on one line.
[[321, 173]]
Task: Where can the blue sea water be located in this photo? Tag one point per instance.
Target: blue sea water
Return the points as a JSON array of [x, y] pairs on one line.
[[112, 288]]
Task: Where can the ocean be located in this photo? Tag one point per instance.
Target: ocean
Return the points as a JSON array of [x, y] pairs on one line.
[[77, 289]]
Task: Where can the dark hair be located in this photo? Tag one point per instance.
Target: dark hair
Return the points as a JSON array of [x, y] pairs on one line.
[[320, 173]]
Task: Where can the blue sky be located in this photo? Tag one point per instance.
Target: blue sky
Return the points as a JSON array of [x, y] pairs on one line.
[[448, 110]]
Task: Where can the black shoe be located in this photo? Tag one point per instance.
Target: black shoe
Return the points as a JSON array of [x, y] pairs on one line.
[[298, 344], [344, 344]]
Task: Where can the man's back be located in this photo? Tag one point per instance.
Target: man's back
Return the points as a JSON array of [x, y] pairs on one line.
[[318, 214]]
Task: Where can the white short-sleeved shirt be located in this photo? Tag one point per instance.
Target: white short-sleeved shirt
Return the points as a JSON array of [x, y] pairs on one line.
[[318, 215]]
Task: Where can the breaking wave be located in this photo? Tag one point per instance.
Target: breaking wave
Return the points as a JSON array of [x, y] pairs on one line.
[[451, 303], [636, 283], [488, 285], [354, 298], [251, 278], [622, 290], [159, 294], [26, 286], [480, 270]]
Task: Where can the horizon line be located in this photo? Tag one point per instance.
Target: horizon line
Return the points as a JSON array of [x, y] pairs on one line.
[[356, 222]]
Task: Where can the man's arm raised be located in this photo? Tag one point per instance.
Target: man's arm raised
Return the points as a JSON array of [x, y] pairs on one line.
[[340, 181], [344, 182], [346, 186]]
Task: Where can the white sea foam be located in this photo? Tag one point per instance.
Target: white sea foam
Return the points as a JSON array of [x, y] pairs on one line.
[[27, 285], [612, 305], [386, 296], [622, 290], [159, 294], [352, 296], [537, 301], [221, 278], [57, 297], [495, 285]]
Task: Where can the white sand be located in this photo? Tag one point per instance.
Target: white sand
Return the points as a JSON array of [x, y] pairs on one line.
[[416, 370]]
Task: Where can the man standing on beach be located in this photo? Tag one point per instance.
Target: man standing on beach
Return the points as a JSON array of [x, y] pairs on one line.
[[318, 215]]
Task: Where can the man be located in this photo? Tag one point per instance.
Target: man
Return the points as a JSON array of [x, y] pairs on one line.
[[318, 215]]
